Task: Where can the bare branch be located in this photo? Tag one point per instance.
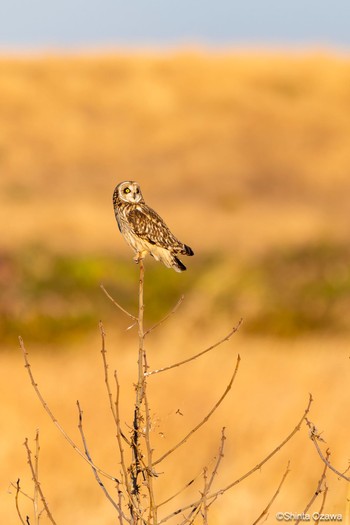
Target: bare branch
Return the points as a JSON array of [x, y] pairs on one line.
[[140, 472], [150, 470], [51, 415], [204, 505], [317, 491], [218, 461], [269, 456], [172, 311], [188, 484], [347, 469], [18, 491], [192, 519], [266, 509], [36, 471], [21, 491], [135, 467], [250, 472], [215, 345], [114, 406], [120, 503], [188, 520], [117, 304], [314, 436], [120, 443], [201, 423], [105, 368], [215, 469], [141, 397], [37, 484], [325, 492], [97, 477]]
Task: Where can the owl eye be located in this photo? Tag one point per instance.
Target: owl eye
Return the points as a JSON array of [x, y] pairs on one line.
[[137, 190], [127, 190]]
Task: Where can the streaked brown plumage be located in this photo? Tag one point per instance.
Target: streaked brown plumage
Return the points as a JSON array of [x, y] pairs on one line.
[[144, 230]]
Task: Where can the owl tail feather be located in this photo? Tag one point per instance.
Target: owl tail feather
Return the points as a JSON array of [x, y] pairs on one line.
[[167, 258], [178, 265], [187, 250]]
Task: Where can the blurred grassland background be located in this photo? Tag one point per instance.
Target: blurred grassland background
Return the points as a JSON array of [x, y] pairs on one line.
[[247, 157]]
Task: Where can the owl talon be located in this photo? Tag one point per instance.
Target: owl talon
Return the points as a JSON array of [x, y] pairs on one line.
[[139, 256]]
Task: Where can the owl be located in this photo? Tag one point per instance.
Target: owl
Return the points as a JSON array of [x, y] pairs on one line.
[[144, 230]]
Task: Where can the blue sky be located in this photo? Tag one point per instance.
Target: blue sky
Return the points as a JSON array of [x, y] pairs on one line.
[[118, 23]]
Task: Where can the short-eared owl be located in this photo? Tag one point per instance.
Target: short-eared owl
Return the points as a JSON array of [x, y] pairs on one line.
[[144, 230]]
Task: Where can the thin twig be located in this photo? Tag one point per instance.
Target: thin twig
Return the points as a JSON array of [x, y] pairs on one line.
[[147, 435], [188, 484], [314, 436], [120, 443], [172, 311], [37, 484], [51, 415], [117, 304], [204, 497], [266, 509], [215, 345], [325, 492], [317, 491], [204, 505], [120, 504], [219, 458], [22, 492], [97, 477], [347, 469], [205, 419], [188, 520], [36, 470], [18, 490], [269, 456], [105, 368], [114, 406], [250, 472]]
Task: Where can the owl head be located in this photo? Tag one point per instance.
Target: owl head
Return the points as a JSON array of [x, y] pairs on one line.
[[129, 191]]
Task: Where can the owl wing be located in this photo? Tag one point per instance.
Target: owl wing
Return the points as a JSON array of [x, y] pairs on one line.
[[149, 226]]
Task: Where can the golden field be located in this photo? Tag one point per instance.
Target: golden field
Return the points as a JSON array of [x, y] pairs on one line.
[[247, 157], [245, 137]]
